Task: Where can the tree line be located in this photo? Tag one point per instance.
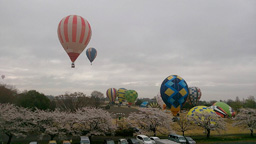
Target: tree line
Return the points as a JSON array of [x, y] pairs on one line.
[[73, 101], [33, 99]]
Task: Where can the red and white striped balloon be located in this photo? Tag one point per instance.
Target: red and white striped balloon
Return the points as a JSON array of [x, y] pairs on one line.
[[74, 33]]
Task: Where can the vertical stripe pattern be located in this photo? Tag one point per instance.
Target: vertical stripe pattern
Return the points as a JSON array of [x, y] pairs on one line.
[[111, 94], [91, 53], [74, 33]]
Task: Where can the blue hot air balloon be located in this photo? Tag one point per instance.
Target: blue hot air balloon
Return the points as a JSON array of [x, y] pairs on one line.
[[174, 92], [91, 54]]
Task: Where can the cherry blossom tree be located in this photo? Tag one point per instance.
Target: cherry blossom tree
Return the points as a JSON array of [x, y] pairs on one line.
[[208, 121], [183, 125], [51, 123], [16, 121], [93, 121], [151, 120], [246, 118]]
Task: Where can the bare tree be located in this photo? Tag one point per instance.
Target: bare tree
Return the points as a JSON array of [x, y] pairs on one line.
[[151, 120], [72, 102], [246, 118], [97, 98], [208, 121]]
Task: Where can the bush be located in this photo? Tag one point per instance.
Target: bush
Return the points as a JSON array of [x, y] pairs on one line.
[[107, 107], [125, 132]]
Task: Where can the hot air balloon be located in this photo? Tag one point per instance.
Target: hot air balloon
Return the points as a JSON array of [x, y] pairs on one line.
[[111, 94], [130, 96], [91, 54], [194, 95], [2, 76], [200, 109], [223, 109], [174, 92], [154, 105], [74, 33], [160, 102], [120, 95]]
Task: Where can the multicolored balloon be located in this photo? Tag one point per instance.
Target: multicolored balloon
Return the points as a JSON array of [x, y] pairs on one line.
[[91, 54], [111, 94], [74, 33], [174, 92], [160, 101], [120, 95], [130, 96], [223, 109], [154, 105], [194, 95], [200, 109]]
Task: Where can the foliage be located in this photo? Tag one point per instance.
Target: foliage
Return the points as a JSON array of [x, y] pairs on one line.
[[250, 102], [7, 94], [33, 100], [138, 102], [127, 132], [151, 120], [107, 107], [246, 118], [208, 121]]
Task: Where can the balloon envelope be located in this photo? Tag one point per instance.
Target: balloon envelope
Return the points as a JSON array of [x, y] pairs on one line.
[[194, 95], [131, 96], [223, 109], [2, 76], [200, 109], [174, 92], [111, 94], [120, 94], [74, 33], [91, 54]]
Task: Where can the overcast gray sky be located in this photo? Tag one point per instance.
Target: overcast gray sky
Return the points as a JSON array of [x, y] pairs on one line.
[[211, 44]]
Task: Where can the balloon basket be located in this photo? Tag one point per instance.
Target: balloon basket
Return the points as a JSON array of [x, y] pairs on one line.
[[72, 65]]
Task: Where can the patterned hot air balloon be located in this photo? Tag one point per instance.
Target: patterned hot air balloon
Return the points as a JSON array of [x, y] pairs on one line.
[[154, 105], [223, 109], [174, 92], [91, 54], [130, 96], [111, 94], [120, 95], [199, 109], [74, 33], [160, 101], [194, 95]]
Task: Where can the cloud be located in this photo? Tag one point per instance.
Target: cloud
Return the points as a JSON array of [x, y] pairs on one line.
[[211, 44]]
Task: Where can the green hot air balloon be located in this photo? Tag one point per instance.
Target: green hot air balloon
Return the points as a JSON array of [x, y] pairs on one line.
[[223, 109], [130, 96]]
